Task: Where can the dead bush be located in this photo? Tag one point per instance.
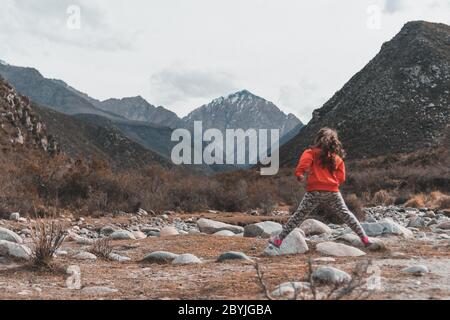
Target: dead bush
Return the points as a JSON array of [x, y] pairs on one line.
[[41, 186], [434, 200], [438, 200], [417, 201], [102, 248], [47, 239], [357, 288], [382, 197], [355, 205]]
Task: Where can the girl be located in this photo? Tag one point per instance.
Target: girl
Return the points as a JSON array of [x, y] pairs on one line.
[[326, 172]]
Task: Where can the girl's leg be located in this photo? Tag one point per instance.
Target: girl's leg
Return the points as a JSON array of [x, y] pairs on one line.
[[337, 204], [308, 204]]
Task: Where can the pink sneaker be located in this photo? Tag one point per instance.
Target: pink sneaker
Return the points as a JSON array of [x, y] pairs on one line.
[[275, 241], [366, 241], [373, 246]]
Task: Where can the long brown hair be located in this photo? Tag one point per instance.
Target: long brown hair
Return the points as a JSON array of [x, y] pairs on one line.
[[328, 141]]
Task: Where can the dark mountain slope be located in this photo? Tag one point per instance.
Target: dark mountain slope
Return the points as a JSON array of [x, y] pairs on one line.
[[52, 93], [95, 136], [399, 102], [137, 108]]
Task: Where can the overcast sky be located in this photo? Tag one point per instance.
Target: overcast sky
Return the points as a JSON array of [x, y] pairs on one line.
[[184, 53]]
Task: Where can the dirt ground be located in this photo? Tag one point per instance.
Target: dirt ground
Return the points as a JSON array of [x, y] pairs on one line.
[[225, 280]]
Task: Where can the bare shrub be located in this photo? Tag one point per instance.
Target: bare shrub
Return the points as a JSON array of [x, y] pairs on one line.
[[47, 239], [35, 184], [434, 200], [382, 197], [289, 190], [438, 200], [417, 201], [102, 248], [262, 282], [355, 205], [355, 289]]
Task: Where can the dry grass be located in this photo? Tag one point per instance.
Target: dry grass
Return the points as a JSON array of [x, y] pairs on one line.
[[355, 205], [382, 198], [102, 248], [39, 186], [47, 239], [434, 200]]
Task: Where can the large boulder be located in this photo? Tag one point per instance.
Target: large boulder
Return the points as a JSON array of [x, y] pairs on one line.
[[262, 229], [15, 216], [186, 258], [122, 235], [417, 270], [331, 275], [294, 243], [290, 289], [84, 255], [355, 241], [160, 257], [14, 250], [312, 227], [445, 225], [139, 235], [8, 235], [338, 249], [225, 233], [108, 230], [210, 226], [233, 255], [386, 227], [168, 231], [117, 257], [417, 222]]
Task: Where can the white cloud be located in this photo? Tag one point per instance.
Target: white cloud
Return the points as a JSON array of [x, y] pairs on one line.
[[177, 83], [392, 6], [47, 21], [301, 98]]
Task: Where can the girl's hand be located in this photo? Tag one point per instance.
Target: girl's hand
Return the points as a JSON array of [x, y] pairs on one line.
[[300, 178]]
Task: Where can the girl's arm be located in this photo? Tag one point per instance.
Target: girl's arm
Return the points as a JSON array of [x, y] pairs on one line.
[[340, 172], [304, 163]]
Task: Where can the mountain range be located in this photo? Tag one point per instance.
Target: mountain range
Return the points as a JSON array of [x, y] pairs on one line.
[[399, 102], [142, 122], [242, 110]]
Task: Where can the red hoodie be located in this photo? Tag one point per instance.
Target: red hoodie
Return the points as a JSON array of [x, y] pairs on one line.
[[320, 178]]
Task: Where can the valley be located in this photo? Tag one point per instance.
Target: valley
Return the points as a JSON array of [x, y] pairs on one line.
[[93, 205]]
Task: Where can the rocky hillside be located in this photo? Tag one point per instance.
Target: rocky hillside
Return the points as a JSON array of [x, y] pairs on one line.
[[20, 125], [95, 136], [399, 102], [137, 108], [242, 110]]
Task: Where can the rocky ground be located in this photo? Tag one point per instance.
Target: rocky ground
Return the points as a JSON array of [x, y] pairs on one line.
[[215, 255]]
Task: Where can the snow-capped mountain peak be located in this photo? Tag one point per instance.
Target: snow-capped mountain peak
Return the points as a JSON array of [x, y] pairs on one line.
[[243, 110]]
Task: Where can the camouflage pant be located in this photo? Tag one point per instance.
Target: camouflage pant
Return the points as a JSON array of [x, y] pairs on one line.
[[330, 200]]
